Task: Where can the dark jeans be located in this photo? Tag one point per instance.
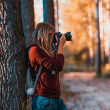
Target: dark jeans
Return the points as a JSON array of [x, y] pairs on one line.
[[45, 103]]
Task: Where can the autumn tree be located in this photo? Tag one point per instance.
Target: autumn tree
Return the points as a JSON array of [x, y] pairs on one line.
[[12, 58], [98, 50]]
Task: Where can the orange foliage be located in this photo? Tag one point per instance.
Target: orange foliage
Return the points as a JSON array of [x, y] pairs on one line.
[[74, 16]]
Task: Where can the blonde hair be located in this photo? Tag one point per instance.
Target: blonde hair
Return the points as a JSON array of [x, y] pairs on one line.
[[43, 37]]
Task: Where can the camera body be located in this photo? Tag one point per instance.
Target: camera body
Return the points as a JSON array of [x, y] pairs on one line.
[[59, 34]]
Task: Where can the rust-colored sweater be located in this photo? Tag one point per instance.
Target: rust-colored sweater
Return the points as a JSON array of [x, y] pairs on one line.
[[48, 83]]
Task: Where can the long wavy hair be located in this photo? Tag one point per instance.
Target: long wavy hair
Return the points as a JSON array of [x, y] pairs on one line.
[[43, 37]]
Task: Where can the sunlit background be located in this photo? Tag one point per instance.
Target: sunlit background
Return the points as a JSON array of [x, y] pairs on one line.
[[80, 18]]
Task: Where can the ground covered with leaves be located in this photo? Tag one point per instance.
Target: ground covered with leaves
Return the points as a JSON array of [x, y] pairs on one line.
[[82, 91]]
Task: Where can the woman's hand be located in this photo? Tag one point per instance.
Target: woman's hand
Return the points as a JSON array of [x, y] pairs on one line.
[[61, 44], [62, 40]]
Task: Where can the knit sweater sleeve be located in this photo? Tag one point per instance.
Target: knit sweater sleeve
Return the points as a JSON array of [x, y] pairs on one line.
[[40, 56]]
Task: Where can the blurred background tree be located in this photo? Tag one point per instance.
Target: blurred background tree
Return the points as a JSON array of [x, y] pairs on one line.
[[27, 11], [48, 12], [98, 50]]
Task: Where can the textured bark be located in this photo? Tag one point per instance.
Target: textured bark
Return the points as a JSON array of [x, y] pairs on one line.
[[27, 20], [48, 12], [98, 50], [12, 58]]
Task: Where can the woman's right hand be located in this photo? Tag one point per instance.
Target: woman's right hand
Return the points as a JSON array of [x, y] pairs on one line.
[[61, 44], [62, 40]]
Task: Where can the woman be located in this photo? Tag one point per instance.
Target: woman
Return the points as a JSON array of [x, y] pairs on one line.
[[48, 87]]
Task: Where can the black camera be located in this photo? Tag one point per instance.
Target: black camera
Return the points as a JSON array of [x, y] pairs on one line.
[[59, 34]]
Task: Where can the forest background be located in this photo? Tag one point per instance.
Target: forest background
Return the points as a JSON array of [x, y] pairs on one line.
[[87, 20], [83, 19]]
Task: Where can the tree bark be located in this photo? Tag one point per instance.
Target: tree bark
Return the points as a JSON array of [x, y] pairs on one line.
[[12, 56], [48, 12], [27, 8], [98, 50]]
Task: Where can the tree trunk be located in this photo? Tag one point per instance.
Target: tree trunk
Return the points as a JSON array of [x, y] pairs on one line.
[[109, 29], [98, 50], [101, 33], [12, 56], [91, 49], [48, 12], [27, 13], [56, 6], [27, 20]]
